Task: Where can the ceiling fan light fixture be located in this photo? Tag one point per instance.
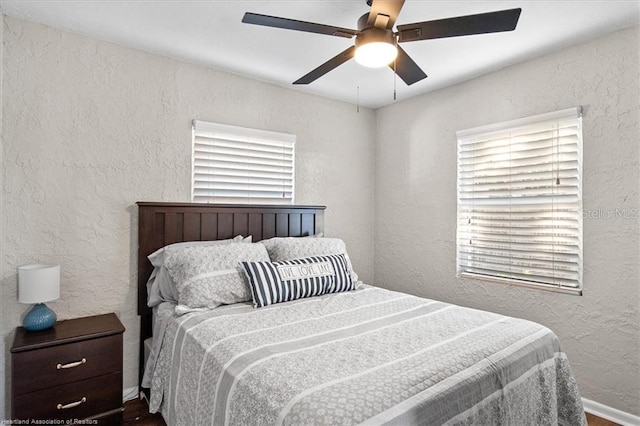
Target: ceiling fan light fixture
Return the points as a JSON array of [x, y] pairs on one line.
[[376, 54], [376, 42], [375, 48]]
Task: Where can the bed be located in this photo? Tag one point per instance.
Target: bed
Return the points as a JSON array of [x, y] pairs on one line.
[[353, 355]]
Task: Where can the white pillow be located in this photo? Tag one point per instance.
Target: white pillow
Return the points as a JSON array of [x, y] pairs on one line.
[[210, 276], [160, 286], [288, 248], [157, 257]]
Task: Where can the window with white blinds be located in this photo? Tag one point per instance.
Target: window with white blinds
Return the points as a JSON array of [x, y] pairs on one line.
[[520, 201], [240, 165]]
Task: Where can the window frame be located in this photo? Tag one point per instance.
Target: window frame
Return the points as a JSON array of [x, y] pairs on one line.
[[228, 135], [467, 136]]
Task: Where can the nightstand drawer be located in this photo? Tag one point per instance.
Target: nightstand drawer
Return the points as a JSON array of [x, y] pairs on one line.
[[77, 400], [62, 364]]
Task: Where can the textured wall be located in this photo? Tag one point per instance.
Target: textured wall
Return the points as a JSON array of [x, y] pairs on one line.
[[415, 201], [91, 127], [2, 315]]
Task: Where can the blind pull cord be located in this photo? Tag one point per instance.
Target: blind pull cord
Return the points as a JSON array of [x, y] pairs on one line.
[[558, 156]]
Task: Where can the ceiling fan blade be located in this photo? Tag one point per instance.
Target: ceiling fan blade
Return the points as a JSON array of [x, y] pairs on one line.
[[292, 24], [407, 69], [492, 22], [390, 8], [332, 63]]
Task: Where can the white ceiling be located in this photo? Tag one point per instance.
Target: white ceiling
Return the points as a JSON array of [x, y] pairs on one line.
[[211, 33]]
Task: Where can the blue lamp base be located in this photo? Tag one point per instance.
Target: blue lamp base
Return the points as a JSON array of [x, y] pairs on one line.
[[40, 317]]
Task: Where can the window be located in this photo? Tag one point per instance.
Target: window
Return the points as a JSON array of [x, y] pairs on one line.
[[520, 201], [239, 165]]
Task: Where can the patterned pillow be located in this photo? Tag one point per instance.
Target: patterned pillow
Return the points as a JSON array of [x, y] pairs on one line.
[[275, 282], [157, 257], [160, 286], [210, 276], [287, 248]]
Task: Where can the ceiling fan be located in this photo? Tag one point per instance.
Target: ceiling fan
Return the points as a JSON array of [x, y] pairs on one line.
[[376, 42]]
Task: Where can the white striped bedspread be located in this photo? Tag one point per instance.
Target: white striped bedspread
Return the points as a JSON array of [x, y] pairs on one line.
[[368, 356]]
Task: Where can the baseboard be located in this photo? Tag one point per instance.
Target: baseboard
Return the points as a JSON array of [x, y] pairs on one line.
[[610, 413], [129, 394]]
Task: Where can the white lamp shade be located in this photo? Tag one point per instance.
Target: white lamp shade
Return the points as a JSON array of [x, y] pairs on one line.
[[38, 283]]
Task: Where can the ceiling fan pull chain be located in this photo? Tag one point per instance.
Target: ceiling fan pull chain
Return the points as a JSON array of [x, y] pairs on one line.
[[395, 79], [358, 99]]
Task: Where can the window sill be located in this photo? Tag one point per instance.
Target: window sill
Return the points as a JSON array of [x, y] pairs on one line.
[[511, 282]]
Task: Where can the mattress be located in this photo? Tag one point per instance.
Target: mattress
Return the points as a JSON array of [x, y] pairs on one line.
[[368, 356]]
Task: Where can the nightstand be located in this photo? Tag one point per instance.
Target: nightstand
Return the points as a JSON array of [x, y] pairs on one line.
[[71, 371]]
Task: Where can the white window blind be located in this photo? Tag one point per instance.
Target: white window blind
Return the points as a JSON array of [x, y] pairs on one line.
[[520, 201], [240, 165]]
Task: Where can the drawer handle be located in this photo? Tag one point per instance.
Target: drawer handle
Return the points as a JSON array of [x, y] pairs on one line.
[[71, 364], [72, 404]]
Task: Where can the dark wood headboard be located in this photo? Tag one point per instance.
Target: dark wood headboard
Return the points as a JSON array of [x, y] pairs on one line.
[[163, 223]]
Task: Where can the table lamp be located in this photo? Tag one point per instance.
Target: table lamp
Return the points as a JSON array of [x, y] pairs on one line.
[[38, 284]]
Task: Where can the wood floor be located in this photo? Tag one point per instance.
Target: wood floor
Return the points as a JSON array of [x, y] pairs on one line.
[[597, 421], [136, 412]]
